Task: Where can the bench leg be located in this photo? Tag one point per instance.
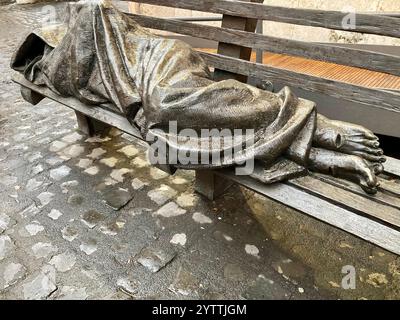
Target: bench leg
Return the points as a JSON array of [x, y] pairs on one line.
[[91, 126], [210, 185], [31, 96]]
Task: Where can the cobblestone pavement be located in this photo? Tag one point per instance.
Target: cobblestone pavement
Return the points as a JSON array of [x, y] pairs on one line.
[[89, 218]]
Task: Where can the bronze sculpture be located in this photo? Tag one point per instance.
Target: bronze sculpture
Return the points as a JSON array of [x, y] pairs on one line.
[[101, 56]]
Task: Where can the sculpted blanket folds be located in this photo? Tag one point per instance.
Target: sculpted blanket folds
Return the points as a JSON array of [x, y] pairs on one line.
[[101, 55]]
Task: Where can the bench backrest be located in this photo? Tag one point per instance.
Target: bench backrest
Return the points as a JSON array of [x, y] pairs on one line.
[[236, 35]]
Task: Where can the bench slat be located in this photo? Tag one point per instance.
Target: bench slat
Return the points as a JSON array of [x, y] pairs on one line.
[[360, 226], [365, 23], [348, 200], [390, 186], [392, 166], [381, 196], [388, 100], [96, 112], [324, 52]]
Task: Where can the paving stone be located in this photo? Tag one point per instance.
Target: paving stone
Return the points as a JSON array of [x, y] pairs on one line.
[[69, 233], [75, 199], [109, 162], [65, 186], [137, 184], [97, 139], [127, 286], [201, 218], [162, 194], [72, 138], [41, 286], [91, 218], [129, 151], [252, 250], [119, 174], [33, 184], [179, 180], [187, 200], [45, 198], [73, 151], [43, 249], [138, 162], [96, 153], [53, 161], [117, 198], [93, 170], [6, 246], [112, 228], [54, 214], [63, 262], [5, 222], [158, 174], [57, 146], [34, 156], [89, 246], [34, 228], [37, 169], [60, 173], [71, 293], [84, 163], [171, 209], [154, 259], [10, 274], [179, 238]]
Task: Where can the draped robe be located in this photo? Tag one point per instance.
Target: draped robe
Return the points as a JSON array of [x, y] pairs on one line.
[[101, 55]]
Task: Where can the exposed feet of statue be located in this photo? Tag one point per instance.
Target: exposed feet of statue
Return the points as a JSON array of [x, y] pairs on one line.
[[350, 139], [350, 167]]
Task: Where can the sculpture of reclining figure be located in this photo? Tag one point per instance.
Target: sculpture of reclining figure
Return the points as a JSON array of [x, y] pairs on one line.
[[101, 55]]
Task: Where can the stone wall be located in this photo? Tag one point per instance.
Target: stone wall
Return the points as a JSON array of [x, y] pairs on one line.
[[3, 2]]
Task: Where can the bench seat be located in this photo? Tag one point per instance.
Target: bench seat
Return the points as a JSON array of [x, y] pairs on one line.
[[375, 218]]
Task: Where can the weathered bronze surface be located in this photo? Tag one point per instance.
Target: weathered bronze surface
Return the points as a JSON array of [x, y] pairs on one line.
[[99, 55]]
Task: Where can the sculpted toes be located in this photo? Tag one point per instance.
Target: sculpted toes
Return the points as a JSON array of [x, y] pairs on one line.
[[370, 157], [366, 173]]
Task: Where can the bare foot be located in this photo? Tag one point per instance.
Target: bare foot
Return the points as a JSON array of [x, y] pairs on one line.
[[349, 138], [350, 167]]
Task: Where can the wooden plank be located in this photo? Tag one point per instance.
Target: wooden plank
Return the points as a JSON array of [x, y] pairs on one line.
[[348, 200], [390, 186], [388, 100], [381, 196], [362, 227], [365, 23], [96, 112], [207, 183], [392, 166], [318, 51], [226, 48]]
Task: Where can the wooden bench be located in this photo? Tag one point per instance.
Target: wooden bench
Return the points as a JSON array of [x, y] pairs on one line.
[[337, 202]]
